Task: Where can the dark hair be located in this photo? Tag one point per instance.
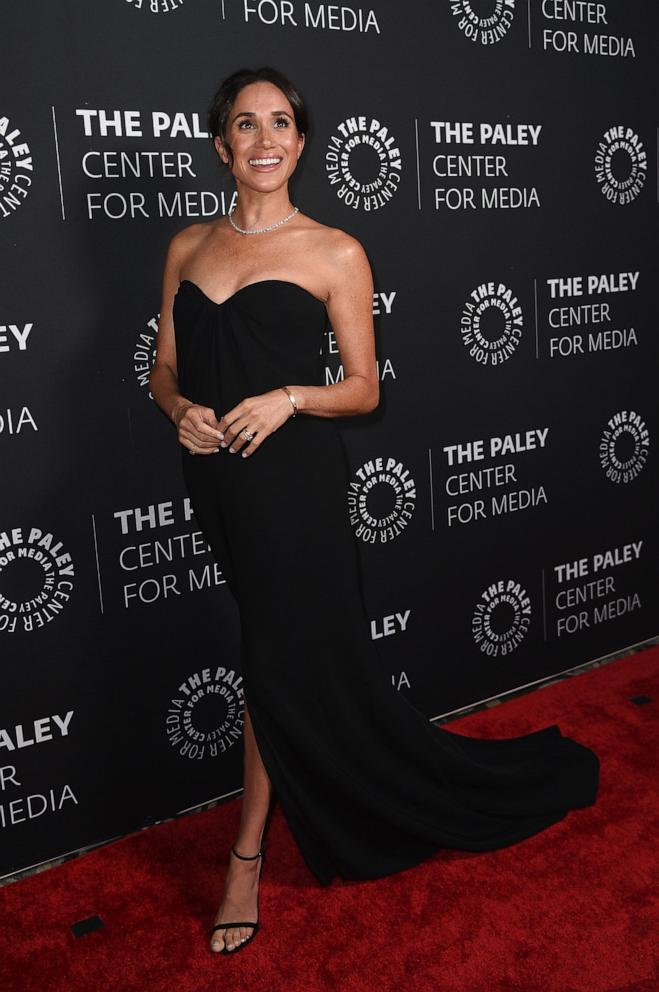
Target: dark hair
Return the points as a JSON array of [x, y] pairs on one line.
[[220, 108]]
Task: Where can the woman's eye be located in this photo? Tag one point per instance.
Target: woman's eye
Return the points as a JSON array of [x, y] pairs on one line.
[[279, 120]]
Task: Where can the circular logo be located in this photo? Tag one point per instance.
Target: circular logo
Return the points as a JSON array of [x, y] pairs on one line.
[[155, 6], [484, 28], [205, 717], [16, 168], [363, 163], [491, 324], [36, 579], [501, 618], [624, 447], [144, 353], [621, 165], [381, 500]]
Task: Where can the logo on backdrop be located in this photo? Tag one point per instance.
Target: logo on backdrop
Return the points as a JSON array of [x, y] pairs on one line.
[[16, 419], [205, 717], [491, 323], [47, 728], [381, 500], [621, 165], [144, 354], [590, 590], [585, 313], [16, 168], [485, 29], [579, 28], [25, 807], [501, 618], [486, 478], [363, 163], [325, 16], [582, 29], [36, 579], [13, 337], [155, 554], [149, 156], [624, 446], [155, 6], [490, 156]]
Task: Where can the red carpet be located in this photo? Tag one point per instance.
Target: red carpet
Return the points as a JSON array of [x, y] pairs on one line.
[[573, 909]]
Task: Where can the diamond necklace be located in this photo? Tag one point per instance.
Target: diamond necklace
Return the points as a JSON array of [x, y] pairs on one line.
[[260, 230]]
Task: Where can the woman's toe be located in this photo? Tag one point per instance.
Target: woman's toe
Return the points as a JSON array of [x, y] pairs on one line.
[[217, 943]]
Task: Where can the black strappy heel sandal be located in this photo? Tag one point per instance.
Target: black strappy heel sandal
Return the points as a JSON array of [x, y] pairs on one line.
[[241, 923]]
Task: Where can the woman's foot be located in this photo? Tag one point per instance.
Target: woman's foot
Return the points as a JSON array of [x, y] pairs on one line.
[[241, 888]]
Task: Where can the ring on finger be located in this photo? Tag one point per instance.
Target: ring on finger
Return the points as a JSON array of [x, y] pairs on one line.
[[247, 434]]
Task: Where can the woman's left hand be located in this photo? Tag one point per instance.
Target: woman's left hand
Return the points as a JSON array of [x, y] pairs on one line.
[[259, 415]]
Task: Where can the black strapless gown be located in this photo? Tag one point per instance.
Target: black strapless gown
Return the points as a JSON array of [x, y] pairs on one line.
[[367, 784]]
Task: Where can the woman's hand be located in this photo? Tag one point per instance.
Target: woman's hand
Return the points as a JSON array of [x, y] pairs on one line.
[[198, 428], [259, 415]]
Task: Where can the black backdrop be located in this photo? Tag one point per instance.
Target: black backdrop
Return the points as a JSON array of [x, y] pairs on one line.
[[498, 163]]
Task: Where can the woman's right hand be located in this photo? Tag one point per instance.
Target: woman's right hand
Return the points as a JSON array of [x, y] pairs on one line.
[[198, 428]]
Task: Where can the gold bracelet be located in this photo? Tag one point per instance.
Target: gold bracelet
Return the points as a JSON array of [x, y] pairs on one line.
[[291, 398]]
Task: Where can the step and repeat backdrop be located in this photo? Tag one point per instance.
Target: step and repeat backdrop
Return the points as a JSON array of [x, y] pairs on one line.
[[498, 162]]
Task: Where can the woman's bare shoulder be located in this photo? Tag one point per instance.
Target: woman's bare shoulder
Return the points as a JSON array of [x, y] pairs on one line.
[[190, 241], [336, 245]]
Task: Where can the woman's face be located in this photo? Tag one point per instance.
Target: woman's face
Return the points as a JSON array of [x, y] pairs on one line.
[[261, 126]]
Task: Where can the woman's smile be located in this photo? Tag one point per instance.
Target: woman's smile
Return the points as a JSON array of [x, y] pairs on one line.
[[266, 163]]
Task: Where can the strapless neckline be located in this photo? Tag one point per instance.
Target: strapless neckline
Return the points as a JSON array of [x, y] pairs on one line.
[[249, 285]]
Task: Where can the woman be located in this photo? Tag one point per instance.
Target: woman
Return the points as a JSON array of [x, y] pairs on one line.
[[367, 784]]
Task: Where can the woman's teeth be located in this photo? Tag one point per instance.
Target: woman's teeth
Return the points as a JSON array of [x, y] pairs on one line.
[[264, 161]]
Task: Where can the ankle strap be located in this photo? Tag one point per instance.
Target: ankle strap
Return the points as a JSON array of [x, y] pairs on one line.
[[246, 857]]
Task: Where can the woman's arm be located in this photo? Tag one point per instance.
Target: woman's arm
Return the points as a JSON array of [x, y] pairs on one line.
[[163, 381], [350, 310]]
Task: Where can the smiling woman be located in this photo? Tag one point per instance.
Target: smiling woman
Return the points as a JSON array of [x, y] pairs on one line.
[[225, 116], [368, 786]]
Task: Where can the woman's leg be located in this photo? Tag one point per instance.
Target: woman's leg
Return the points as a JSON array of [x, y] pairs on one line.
[[241, 884], [257, 794]]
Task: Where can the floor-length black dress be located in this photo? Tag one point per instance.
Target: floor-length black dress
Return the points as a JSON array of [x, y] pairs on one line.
[[367, 784]]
